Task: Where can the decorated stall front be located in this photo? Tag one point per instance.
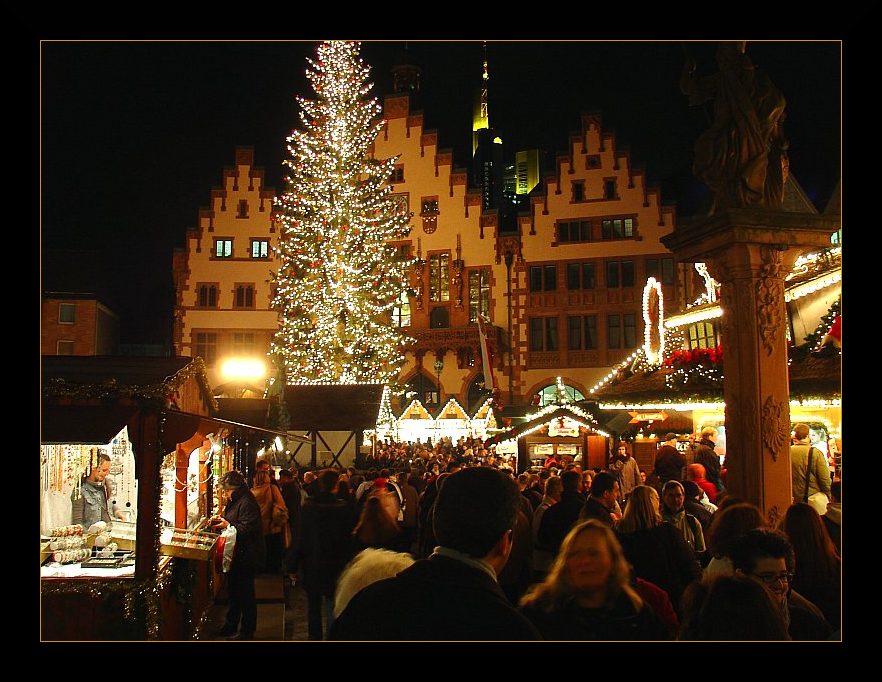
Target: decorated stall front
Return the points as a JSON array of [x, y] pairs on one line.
[[679, 369], [138, 433], [562, 428]]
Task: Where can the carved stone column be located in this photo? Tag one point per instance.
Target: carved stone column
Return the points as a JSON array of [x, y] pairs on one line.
[[750, 252]]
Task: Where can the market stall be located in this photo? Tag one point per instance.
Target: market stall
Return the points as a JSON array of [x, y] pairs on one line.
[[125, 578]]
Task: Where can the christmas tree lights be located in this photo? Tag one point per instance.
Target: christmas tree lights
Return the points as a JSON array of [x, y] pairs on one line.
[[339, 276]]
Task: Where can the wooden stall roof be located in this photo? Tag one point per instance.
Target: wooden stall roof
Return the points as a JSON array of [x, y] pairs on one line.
[[333, 407], [252, 411], [85, 424], [144, 372]]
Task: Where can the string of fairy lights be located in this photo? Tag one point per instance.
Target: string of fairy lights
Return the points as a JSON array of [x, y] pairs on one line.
[[339, 277]]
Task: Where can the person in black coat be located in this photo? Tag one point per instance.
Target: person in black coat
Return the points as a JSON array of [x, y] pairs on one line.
[[243, 513], [708, 458], [559, 518], [656, 549], [326, 525], [454, 594]]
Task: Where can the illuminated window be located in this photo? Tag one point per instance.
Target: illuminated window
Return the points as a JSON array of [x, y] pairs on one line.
[[206, 347], [549, 394], [479, 294], [260, 248], [243, 296], [702, 335], [206, 296], [67, 313], [439, 277], [223, 248], [242, 209], [401, 312], [617, 228]]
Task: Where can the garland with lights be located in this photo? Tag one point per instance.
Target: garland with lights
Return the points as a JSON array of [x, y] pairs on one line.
[[701, 367], [339, 277]]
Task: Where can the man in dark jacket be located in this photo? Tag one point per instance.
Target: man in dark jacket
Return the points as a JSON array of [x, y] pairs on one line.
[[326, 525], [669, 462], [602, 500], [560, 517], [707, 457], [454, 594], [243, 513], [290, 488]]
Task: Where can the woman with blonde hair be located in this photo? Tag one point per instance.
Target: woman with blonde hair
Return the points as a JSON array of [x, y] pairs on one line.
[[656, 549], [588, 595]]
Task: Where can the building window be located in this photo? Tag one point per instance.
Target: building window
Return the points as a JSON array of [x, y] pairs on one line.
[[206, 347], [613, 331], [543, 278], [660, 268], [543, 333], [535, 278], [223, 248], [260, 248], [65, 348], [429, 206], [479, 294], [609, 189], [242, 208], [629, 325], [590, 332], [702, 335], [612, 274], [243, 343], [397, 173], [439, 277], [617, 228], [579, 190], [574, 333], [582, 332], [667, 267], [401, 311], [580, 276], [243, 296], [67, 313], [402, 252], [627, 273], [574, 231], [619, 274], [550, 274], [206, 296]]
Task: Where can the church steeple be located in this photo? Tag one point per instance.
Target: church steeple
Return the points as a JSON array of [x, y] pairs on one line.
[[406, 76], [481, 116]]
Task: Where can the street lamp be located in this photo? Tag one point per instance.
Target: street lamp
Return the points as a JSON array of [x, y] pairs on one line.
[[439, 367]]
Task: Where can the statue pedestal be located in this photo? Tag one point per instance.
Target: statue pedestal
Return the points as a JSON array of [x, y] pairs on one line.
[[750, 251]]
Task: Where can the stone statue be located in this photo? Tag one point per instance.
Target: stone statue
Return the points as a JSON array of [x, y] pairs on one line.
[[742, 157]]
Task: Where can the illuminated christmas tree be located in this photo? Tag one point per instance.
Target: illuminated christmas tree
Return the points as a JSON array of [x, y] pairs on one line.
[[340, 277]]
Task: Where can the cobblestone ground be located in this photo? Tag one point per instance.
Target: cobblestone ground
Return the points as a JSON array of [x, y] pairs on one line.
[[281, 611]]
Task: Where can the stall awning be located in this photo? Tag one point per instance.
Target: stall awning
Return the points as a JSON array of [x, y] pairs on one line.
[[84, 424]]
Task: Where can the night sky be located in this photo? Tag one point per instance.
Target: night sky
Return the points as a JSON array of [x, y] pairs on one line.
[[135, 134]]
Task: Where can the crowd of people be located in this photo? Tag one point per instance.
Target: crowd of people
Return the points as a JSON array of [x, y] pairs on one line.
[[446, 542]]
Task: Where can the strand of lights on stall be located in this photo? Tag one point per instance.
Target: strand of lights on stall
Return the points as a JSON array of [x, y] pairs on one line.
[[651, 356], [812, 286]]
